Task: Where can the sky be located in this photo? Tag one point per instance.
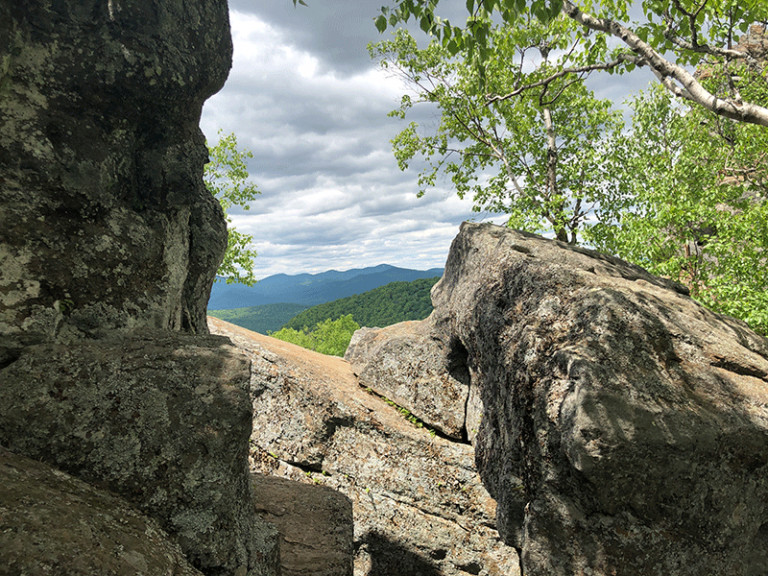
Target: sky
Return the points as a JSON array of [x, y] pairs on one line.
[[305, 98]]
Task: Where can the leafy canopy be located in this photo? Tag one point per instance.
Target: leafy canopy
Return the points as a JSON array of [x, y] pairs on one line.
[[330, 337], [226, 176], [538, 156], [697, 203], [672, 35]]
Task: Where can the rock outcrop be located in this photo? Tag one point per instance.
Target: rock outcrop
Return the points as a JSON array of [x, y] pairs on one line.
[[411, 365], [419, 506], [624, 427], [314, 523], [163, 420], [109, 243], [52, 523], [104, 219]]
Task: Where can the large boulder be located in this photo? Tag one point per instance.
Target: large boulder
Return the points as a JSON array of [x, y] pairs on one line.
[[625, 427], [52, 523], [162, 419], [418, 503], [104, 219]]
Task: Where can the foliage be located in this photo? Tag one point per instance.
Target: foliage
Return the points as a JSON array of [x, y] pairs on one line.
[[330, 337], [539, 157], [697, 206], [226, 176], [262, 319], [388, 304], [672, 35]]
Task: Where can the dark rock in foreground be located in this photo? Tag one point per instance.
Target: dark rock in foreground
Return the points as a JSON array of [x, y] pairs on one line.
[[105, 222], [52, 523], [161, 419]]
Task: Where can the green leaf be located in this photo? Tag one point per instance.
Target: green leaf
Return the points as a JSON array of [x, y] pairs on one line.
[[381, 23]]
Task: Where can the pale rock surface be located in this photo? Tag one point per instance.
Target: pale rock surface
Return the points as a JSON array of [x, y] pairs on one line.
[[625, 427], [52, 523], [419, 506], [411, 365]]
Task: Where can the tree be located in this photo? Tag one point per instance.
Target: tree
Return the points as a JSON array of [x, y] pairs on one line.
[[226, 176], [674, 35], [539, 157], [697, 202], [330, 337]]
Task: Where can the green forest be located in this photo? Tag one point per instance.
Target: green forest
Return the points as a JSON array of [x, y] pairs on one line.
[[328, 328], [388, 304], [261, 319]]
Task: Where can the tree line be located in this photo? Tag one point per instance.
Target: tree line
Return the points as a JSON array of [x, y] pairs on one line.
[[388, 304], [328, 328]]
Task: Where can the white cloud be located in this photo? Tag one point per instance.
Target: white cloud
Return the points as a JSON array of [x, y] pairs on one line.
[[332, 194], [306, 100]]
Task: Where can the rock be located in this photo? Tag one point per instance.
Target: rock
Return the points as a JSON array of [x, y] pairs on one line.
[[52, 523], [163, 420], [419, 506], [314, 523], [625, 427], [409, 364], [105, 222]]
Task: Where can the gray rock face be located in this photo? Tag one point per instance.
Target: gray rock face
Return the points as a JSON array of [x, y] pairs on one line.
[[52, 523], [314, 523], [162, 419], [625, 428], [419, 506], [409, 364], [104, 220]]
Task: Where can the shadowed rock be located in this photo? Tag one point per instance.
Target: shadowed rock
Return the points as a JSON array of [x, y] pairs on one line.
[[161, 419], [314, 523], [52, 523], [104, 219]]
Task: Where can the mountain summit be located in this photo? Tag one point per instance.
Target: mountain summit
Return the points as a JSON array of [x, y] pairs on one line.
[[311, 289]]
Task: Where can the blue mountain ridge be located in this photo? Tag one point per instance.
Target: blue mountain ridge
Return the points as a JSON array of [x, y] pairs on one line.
[[311, 289]]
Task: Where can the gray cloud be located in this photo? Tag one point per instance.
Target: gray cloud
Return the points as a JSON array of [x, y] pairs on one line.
[[306, 99]]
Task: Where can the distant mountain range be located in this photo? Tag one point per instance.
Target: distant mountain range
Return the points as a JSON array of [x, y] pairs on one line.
[[311, 289]]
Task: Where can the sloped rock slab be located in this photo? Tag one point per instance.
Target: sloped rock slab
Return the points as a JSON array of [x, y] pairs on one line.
[[314, 522], [162, 419], [634, 421], [419, 506], [52, 523]]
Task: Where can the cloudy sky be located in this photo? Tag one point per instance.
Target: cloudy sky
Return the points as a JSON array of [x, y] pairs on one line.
[[306, 99]]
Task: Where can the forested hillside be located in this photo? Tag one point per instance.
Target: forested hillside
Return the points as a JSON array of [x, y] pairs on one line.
[[261, 319], [389, 304]]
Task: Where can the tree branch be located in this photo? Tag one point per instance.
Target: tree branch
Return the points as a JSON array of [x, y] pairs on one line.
[[621, 59], [674, 77]]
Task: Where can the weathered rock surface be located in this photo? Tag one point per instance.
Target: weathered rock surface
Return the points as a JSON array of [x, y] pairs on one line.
[[419, 505], [625, 427], [162, 419], [409, 364], [314, 523], [52, 523], [104, 219]]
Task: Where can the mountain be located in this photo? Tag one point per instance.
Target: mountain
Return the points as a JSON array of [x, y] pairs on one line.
[[311, 289]]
